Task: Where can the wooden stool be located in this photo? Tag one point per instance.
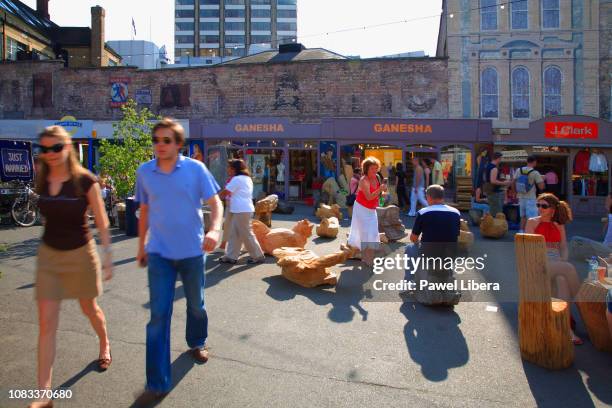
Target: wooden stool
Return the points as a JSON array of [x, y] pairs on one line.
[[544, 322], [591, 301]]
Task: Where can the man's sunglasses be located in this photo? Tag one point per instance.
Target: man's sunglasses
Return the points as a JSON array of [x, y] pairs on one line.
[[56, 148], [166, 140], [543, 206]]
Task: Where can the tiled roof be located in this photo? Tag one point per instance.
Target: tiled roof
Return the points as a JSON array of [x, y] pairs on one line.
[[312, 54]]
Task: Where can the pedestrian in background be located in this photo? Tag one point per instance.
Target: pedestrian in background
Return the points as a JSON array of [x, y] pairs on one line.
[[493, 185], [526, 179], [364, 223], [241, 206], [400, 187], [171, 189], [68, 266], [417, 193]]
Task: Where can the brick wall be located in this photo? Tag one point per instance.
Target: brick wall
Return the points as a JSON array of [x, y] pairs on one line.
[[605, 62], [304, 91]]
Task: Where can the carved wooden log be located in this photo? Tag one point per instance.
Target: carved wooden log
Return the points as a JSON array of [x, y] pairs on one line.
[[264, 208], [466, 238], [493, 227], [389, 222], [328, 228], [306, 268], [544, 322], [326, 211], [591, 301], [271, 239]]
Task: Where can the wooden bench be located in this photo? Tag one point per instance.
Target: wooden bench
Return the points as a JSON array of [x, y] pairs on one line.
[[544, 322]]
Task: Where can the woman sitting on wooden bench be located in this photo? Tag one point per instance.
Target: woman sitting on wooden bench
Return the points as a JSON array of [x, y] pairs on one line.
[[553, 215]]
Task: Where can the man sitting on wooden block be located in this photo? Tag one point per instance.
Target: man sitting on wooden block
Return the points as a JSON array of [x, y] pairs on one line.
[[434, 236]]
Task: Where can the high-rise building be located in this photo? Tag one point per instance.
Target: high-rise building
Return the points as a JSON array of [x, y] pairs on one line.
[[212, 31], [141, 54]]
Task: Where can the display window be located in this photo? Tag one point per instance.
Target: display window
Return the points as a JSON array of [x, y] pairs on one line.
[[590, 173], [302, 169]]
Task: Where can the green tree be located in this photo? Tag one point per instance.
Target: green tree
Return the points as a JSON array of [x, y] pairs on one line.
[[130, 147]]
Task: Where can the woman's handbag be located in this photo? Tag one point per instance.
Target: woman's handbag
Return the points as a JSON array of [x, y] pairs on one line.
[[350, 199]]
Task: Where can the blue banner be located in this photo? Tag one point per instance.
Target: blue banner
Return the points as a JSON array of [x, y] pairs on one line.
[[15, 161]]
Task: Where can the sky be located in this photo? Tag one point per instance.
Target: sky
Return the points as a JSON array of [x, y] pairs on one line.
[[317, 21]]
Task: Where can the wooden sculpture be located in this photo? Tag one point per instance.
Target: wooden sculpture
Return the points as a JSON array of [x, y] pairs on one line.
[[264, 208], [544, 322], [307, 269], [475, 216], [271, 239], [466, 238], [591, 301], [326, 211], [328, 228], [493, 227], [389, 222]]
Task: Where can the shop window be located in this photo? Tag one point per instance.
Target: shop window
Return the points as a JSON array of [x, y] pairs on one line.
[[552, 91], [267, 170], [590, 175], [489, 94], [456, 161], [302, 172], [520, 93]]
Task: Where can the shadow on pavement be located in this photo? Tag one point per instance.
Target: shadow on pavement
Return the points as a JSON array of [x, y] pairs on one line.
[[180, 367], [434, 339], [179, 293], [21, 250], [93, 366], [344, 300]]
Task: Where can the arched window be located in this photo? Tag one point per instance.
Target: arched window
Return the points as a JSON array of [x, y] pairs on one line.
[[520, 93], [489, 94], [550, 13], [552, 91]]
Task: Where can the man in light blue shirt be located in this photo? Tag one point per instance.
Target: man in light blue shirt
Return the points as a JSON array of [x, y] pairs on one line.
[[170, 190]]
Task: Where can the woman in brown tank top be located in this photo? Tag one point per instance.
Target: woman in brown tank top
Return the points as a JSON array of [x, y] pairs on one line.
[[68, 266]]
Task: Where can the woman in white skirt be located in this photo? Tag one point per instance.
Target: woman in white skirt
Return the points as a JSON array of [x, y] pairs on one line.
[[364, 223]]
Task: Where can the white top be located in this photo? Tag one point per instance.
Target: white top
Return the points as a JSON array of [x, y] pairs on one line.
[[608, 238], [241, 188], [280, 175]]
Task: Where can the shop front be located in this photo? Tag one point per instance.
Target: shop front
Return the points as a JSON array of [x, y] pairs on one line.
[[282, 157], [573, 153], [453, 143], [79, 130]]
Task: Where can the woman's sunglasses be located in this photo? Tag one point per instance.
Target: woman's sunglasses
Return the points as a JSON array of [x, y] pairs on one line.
[[56, 148], [543, 206], [166, 140]]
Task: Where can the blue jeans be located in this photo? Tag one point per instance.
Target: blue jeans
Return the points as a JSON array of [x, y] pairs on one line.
[[162, 279]]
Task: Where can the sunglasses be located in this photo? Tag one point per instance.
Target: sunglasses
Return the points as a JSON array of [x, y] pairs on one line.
[[166, 140], [56, 148], [543, 206]]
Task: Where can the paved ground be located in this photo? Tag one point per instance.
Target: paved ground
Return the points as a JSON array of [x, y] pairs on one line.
[[276, 344]]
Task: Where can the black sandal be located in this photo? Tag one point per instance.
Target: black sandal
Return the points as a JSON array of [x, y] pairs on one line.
[[228, 261], [255, 261]]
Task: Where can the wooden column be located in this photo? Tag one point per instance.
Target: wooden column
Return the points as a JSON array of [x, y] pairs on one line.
[[544, 322]]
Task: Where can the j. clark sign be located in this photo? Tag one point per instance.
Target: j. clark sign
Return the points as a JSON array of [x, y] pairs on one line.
[[571, 130]]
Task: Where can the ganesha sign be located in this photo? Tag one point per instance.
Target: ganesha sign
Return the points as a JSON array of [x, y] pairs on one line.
[[571, 130]]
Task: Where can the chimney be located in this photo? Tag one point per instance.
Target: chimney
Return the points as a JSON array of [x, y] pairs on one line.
[[97, 36], [42, 8]]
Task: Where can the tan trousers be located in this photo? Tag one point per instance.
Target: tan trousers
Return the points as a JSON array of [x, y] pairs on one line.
[[226, 225], [241, 232]]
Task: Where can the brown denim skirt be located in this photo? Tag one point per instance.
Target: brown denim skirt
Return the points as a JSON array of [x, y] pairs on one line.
[[70, 274]]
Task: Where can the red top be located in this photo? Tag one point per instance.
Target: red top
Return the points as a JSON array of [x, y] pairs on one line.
[[581, 162], [551, 233], [361, 198]]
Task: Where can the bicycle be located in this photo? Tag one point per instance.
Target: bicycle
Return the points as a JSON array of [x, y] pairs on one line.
[[25, 207]]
